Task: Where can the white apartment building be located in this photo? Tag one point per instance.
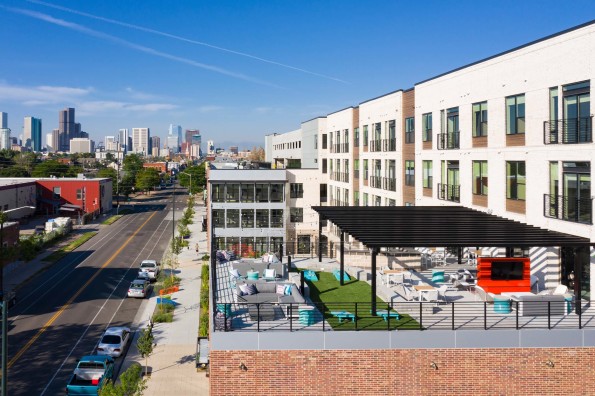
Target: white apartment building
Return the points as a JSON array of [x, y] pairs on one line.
[[140, 140]]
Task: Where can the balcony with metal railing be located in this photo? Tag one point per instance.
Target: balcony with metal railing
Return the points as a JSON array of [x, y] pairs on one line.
[[375, 145], [389, 144], [344, 177], [448, 141], [389, 183], [577, 210], [375, 181], [449, 192], [568, 131]]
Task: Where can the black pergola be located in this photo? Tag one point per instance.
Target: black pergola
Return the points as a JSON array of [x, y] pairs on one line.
[[445, 226]]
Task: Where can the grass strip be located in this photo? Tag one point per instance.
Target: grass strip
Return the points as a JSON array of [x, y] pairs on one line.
[[112, 219], [58, 254], [333, 297]]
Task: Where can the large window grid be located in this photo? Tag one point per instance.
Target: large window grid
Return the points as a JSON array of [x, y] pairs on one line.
[[276, 218], [247, 193], [219, 218], [262, 218], [232, 218], [247, 218], [296, 215]]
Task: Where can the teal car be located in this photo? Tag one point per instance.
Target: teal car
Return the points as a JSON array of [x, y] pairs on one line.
[[90, 374]]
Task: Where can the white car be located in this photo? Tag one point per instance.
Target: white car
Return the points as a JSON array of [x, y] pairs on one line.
[[138, 288], [151, 267], [114, 341]]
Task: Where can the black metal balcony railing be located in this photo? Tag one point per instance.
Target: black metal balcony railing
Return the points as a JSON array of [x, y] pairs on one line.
[[345, 147], [375, 181], [564, 208], [389, 144], [405, 315], [568, 131], [448, 141], [389, 183], [449, 192], [375, 145], [344, 177], [410, 137]]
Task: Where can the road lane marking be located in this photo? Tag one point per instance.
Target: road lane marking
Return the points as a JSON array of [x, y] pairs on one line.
[[71, 300], [65, 267], [135, 261]]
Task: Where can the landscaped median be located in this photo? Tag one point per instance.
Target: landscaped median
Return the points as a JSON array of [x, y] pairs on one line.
[[60, 253], [164, 286], [354, 297]]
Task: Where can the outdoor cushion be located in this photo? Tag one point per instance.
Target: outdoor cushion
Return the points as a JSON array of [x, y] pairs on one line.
[[281, 289], [234, 272], [243, 289], [269, 273], [252, 289], [287, 290]]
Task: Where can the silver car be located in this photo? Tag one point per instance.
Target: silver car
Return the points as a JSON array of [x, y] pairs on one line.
[[138, 288], [114, 341]]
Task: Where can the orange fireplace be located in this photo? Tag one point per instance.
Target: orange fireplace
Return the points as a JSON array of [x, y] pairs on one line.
[[504, 274]]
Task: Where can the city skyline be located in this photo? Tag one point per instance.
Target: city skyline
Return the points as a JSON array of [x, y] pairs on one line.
[[254, 83]]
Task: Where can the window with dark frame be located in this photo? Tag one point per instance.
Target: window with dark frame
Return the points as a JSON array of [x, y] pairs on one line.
[[515, 180], [480, 119], [57, 191], [232, 218], [262, 218], [410, 173], [219, 218], [409, 130], [296, 190], [261, 192], [247, 192], [247, 218], [276, 192], [515, 114], [79, 194], [276, 218], [480, 177], [296, 215], [426, 126], [427, 173]]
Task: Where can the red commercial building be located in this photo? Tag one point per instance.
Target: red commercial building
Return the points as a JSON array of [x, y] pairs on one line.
[[160, 166], [74, 197]]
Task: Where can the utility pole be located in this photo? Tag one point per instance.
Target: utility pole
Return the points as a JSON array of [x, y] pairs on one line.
[[173, 215], [190, 189], [4, 303], [118, 181]]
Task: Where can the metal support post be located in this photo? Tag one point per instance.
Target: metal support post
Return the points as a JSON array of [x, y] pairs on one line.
[[342, 262]]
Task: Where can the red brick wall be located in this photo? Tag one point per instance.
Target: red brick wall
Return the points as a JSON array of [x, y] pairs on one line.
[[405, 372]]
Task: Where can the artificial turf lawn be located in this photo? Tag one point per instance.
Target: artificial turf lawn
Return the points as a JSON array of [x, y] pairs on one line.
[[334, 297]]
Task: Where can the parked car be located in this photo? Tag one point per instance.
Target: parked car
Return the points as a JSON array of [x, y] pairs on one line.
[[151, 267], [143, 276], [90, 374], [138, 288], [113, 341]]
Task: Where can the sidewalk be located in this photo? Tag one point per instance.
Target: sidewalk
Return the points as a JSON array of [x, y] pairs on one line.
[[17, 273], [173, 367]]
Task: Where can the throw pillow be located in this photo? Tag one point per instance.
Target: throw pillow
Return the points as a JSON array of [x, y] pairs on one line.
[[287, 290], [244, 289], [252, 289], [269, 273], [234, 272], [281, 289]]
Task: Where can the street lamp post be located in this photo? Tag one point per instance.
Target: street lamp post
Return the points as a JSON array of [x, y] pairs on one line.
[[190, 189], [4, 303]]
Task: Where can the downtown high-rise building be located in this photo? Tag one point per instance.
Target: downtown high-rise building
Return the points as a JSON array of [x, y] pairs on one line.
[[49, 141], [125, 139], [67, 128], [55, 140], [5, 141], [32, 133], [189, 135], [155, 145], [141, 141], [111, 143], [174, 138]]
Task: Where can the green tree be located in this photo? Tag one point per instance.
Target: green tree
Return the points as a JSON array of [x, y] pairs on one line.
[[111, 173], [133, 163], [145, 345], [131, 383], [14, 171], [199, 179], [147, 178], [50, 168]]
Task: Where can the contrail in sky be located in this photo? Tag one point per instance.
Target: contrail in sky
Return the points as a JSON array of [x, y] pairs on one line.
[[187, 40], [125, 43]]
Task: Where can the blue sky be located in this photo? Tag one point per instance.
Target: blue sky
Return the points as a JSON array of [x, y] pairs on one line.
[[238, 70]]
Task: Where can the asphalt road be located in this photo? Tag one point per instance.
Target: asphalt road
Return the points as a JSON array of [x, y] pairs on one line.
[[62, 312]]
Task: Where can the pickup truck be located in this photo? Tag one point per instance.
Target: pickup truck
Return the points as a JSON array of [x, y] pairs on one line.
[[90, 374], [151, 267]]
